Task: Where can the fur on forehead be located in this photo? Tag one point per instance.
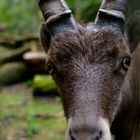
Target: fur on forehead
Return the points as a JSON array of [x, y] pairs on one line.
[[104, 42]]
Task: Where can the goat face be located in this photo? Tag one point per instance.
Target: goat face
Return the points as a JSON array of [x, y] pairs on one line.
[[89, 64]]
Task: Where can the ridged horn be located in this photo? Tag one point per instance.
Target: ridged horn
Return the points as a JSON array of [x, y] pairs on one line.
[[112, 12], [57, 15]]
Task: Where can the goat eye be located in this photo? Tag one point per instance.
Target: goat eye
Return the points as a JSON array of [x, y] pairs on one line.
[[50, 67], [126, 63]]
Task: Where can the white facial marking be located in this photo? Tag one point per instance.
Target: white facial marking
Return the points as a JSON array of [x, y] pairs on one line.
[[103, 123]]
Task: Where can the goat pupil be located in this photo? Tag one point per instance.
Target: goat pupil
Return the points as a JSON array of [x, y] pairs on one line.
[[50, 67], [127, 61]]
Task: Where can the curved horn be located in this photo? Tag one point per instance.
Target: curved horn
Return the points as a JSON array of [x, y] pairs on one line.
[[57, 15], [112, 12]]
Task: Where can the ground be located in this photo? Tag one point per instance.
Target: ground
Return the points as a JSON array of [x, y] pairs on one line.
[[24, 118]]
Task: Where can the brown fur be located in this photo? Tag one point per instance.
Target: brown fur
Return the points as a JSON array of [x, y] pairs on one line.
[[87, 64], [87, 67]]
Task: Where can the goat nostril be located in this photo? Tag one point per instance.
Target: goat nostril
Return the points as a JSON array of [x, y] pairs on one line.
[[98, 136], [71, 136], [100, 133]]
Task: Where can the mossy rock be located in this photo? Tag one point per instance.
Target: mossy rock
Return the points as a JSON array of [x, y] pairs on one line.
[[12, 73], [44, 86]]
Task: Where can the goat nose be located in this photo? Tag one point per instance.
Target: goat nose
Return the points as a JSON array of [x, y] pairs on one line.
[[96, 135], [88, 130]]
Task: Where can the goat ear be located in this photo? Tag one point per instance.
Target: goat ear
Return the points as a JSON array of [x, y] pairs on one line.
[[45, 37]]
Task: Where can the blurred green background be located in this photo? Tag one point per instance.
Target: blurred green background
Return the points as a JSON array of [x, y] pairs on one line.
[[30, 106], [25, 16]]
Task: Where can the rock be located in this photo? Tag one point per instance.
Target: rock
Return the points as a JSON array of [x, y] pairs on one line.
[[12, 73], [44, 86], [35, 61]]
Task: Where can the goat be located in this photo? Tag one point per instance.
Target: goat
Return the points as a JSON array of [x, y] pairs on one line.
[[94, 69]]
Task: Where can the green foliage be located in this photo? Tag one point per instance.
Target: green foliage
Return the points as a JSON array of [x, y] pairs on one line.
[[3, 51], [17, 117], [25, 16], [32, 129], [44, 83], [85, 10], [29, 82]]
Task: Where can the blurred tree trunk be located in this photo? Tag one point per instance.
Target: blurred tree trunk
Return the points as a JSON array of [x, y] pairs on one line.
[[16, 41], [15, 55]]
